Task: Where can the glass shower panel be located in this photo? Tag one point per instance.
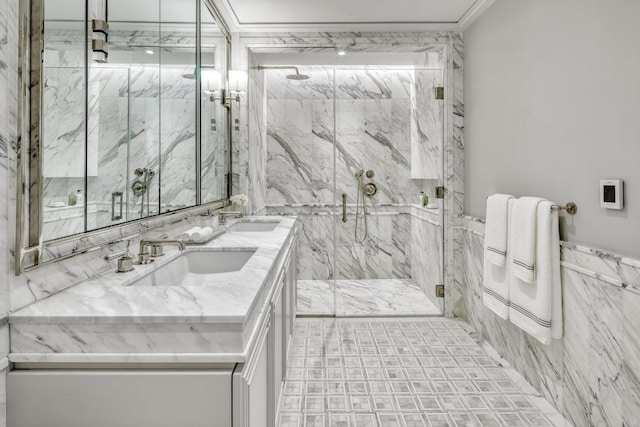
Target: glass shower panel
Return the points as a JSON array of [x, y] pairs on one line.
[[388, 251], [63, 127]]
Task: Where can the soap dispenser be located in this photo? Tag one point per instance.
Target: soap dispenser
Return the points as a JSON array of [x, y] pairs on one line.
[[72, 199], [424, 199], [79, 197]]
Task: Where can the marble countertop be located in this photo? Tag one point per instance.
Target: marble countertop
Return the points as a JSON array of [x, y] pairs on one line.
[[107, 299]]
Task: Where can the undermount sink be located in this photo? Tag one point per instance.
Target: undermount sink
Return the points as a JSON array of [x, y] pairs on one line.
[[245, 226], [198, 268]]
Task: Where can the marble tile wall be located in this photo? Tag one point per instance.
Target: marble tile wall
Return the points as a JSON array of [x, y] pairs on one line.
[[443, 50], [592, 375], [427, 250], [8, 140], [376, 118]]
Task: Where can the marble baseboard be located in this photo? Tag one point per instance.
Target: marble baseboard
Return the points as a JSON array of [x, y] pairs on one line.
[[592, 375]]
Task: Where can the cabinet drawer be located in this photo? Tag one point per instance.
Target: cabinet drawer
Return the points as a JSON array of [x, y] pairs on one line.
[[119, 398]]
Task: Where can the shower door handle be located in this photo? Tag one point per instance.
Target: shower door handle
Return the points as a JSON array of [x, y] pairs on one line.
[[344, 207], [116, 195]]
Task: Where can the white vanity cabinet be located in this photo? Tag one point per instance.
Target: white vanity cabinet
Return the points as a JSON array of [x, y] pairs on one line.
[[239, 385], [258, 384]]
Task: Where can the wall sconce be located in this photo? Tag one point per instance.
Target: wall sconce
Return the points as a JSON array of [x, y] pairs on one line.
[[237, 86], [100, 29]]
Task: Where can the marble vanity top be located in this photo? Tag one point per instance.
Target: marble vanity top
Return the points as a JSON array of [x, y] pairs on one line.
[[105, 320], [108, 299]]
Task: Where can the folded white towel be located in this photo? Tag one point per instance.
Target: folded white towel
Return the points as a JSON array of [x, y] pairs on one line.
[[538, 309], [523, 235], [205, 233], [196, 234], [496, 229], [495, 278], [189, 234]]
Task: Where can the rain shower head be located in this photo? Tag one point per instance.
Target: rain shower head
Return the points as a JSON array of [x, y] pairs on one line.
[[296, 76]]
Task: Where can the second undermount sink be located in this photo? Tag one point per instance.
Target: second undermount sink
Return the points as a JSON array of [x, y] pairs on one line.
[[245, 226], [198, 268]]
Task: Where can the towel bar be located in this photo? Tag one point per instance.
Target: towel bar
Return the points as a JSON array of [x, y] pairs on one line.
[[570, 207]]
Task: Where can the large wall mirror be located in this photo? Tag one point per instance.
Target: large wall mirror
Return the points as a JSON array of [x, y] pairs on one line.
[[128, 110]]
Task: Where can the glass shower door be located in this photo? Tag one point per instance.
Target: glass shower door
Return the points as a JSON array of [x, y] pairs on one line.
[[388, 154]]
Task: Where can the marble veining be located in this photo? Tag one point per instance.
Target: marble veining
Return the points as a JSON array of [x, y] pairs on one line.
[[592, 374], [439, 50], [91, 316], [389, 297]]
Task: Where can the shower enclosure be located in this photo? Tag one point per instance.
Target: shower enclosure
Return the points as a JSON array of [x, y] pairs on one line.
[[351, 151]]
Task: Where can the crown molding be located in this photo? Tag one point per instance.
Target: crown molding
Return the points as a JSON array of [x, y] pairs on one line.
[[228, 14]]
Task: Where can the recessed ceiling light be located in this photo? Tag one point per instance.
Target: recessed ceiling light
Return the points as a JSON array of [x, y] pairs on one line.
[[149, 52], [342, 53]]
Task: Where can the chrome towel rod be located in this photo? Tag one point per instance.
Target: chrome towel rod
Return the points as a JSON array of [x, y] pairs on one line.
[[570, 207]]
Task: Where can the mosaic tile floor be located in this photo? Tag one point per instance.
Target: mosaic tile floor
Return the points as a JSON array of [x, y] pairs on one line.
[[403, 372], [370, 297]]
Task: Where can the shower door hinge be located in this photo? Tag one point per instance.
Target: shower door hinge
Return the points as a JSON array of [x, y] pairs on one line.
[[439, 291], [440, 190], [439, 92]]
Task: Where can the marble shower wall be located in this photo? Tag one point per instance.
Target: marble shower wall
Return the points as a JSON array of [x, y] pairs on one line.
[[443, 48], [592, 375], [8, 140], [378, 112]]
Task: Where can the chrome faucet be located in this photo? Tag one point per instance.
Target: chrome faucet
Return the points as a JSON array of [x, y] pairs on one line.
[[222, 216], [144, 256]]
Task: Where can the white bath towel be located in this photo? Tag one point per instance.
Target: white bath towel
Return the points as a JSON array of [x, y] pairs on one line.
[[537, 309], [495, 278], [523, 235], [188, 235], [496, 229]]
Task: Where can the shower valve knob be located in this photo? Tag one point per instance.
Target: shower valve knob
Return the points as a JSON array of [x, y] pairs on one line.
[[370, 189], [370, 174]]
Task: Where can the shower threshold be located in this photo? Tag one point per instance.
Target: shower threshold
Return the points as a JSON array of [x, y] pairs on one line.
[[363, 298]]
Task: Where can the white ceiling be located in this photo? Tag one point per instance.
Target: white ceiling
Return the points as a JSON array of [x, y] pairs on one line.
[[354, 15]]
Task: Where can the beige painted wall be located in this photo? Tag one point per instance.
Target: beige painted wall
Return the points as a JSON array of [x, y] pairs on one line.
[[552, 102]]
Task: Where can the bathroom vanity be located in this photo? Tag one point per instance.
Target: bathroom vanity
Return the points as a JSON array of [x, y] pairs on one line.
[[199, 337]]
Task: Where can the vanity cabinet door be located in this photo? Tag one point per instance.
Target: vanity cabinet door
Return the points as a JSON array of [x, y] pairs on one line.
[[251, 386], [81, 398], [277, 347]]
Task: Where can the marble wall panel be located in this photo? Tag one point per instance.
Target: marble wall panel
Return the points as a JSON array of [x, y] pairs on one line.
[[427, 126], [427, 250], [442, 51], [591, 374], [8, 140]]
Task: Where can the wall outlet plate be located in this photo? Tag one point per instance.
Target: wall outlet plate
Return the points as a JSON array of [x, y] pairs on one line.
[[612, 193]]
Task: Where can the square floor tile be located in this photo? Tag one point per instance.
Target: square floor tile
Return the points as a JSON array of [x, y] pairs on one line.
[[360, 403], [383, 402], [414, 420]]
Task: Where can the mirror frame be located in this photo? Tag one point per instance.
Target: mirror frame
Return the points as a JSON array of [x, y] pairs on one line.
[[31, 251]]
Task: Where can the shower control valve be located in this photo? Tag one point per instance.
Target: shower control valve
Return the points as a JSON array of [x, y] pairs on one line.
[[370, 189]]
